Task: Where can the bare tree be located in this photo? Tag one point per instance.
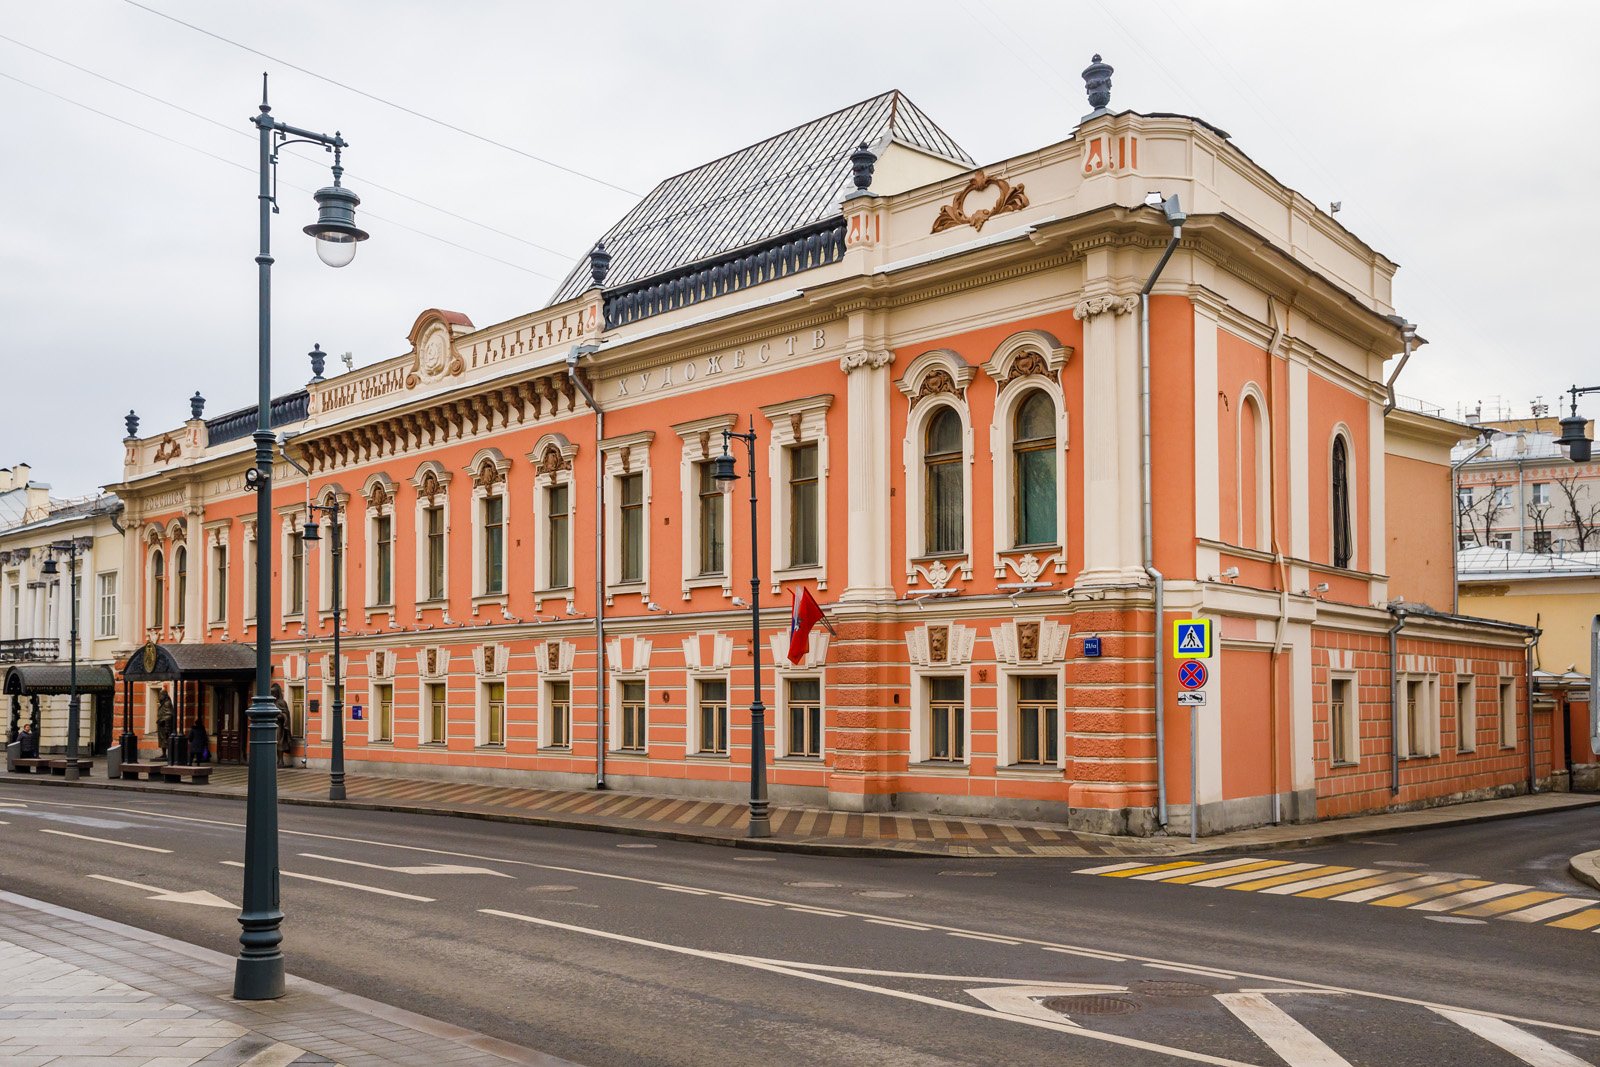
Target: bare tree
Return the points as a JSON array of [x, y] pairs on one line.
[[1540, 514], [1582, 516], [1479, 515]]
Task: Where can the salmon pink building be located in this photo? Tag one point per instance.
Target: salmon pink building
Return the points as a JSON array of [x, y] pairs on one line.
[[1014, 422]]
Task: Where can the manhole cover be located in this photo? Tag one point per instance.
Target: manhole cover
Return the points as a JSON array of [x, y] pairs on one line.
[[1099, 1004], [1156, 987], [814, 885]]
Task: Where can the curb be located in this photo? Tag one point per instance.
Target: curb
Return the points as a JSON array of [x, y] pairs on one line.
[[1585, 867]]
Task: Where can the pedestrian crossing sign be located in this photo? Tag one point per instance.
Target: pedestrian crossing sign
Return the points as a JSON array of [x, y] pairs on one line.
[[1191, 639]]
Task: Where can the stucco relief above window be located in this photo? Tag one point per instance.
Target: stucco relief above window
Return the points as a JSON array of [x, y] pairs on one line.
[[938, 644], [1030, 641], [431, 530], [937, 455], [797, 468], [1028, 440], [707, 523], [379, 493], [627, 504], [490, 513], [554, 506]]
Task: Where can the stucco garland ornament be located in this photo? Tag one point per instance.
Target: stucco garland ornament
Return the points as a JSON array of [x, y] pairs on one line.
[[1099, 305], [1008, 198], [435, 357]]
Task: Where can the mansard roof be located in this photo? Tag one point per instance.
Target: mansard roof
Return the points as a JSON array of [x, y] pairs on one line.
[[773, 187]]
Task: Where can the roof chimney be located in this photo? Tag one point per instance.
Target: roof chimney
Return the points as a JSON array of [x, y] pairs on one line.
[[7, 480], [20, 475]]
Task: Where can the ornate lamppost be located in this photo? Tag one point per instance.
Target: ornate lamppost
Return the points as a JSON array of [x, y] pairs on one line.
[[1574, 427], [70, 548], [310, 536], [258, 973], [725, 472]]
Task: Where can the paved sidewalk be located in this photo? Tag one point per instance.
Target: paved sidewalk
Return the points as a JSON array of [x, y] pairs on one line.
[[1585, 867], [83, 991], [805, 829]]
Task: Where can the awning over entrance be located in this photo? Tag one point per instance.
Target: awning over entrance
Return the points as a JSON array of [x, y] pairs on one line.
[[191, 663], [39, 679]]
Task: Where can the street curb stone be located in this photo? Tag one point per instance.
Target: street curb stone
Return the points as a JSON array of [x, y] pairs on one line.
[[1585, 867]]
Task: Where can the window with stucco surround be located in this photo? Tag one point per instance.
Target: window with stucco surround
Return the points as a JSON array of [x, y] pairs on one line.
[[555, 503], [431, 526], [1027, 443], [707, 524], [941, 725], [292, 576], [628, 493], [1030, 721], [1341, 499], [1466, 713], [379, 493], [1254, 463], [490, 514], [709, 732], [937, 454], [329, 532], [247, 530], [797, 467], [216, 537], [1344, 719], [105, 604], [156, 588], [1419, 716], [180, 586]]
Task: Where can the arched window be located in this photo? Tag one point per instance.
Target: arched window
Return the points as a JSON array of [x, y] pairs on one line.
[[1033, 450], [941, 458], [1252, 506], [1341, 503], [180, 573], [158, 588]]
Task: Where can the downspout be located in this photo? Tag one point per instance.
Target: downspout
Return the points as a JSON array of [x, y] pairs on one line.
[[1527, 676], [1394, 700], [1274, 704], [1408, 331], [1176, 218], [582, 384]]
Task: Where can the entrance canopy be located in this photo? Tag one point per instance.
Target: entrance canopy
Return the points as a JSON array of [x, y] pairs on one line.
[[191, 663], [40, 679]]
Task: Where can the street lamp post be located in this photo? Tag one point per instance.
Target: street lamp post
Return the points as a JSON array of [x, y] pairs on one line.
[[310, 535], [1574, 427], [258, 973], [724, 471], [70, 547]]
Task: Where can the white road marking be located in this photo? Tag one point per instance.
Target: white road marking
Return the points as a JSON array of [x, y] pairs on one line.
[[1521, 1044], [1317, 883], [1550, 909], [1024, 1000], [1250, 876], [1108, 957], [748, 900], [427, 868], [1296, 1045], [107, 841], [892, 922], [1220, 866], [815, 911], [797, 971], [1471, 896], [983, 937], [1316, 987], [4, 823], [683, 889], [342, 885], [1399, 863], [171, 896], [1197, 970], [1115, 867], [1388, 889]]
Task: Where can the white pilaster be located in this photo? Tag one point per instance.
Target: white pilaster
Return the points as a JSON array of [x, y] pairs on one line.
[[867, 391], [1110, 439], [1207, 474]]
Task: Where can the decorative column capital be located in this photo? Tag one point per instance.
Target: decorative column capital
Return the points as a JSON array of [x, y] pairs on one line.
[[870, 359], [1098, 305]]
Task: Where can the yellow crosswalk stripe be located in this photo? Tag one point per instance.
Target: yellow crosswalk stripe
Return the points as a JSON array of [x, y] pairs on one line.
[[1258, 865], [1417, 896], [1151, 869], [1472, 896], [1584, 920], [1359, 883], [1284, 879], [1505, 904], [1550, 909]]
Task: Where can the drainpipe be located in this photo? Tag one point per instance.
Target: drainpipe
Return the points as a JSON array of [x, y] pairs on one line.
[[1394, 700], [582, 385], [1527, 676], [1408, 332], [1594, 683], [1176, 219]]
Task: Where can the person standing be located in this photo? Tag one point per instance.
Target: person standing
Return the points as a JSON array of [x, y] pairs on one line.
[[28, 740], [285, 736]]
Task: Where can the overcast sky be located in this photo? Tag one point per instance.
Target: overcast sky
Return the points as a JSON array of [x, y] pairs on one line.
[[1459, 137]]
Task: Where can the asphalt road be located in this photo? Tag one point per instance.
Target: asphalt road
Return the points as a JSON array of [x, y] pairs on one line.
[[606, 949]]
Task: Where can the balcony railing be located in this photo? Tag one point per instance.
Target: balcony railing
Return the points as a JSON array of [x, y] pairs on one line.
[[30, 650]]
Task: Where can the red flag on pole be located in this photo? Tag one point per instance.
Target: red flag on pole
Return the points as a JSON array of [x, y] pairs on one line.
[[804, 615]]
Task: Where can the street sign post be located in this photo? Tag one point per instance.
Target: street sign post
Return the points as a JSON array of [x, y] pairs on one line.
[[1191, 639], [1192, 674]]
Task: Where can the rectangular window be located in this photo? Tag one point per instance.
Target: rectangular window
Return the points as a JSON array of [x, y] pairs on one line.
[[1416, 743], [1464, 499], [106, 595], [297, 710], [1541, 492], [1466, 715], [494, 544], [219, 583], [633, 716], [1502, 497], [383, 713], [297, 574], [335, 573], [383, 560], [630, 502], [947, 714], [711, 503], [1501, 540], [494, 713], [560, 735], [804, 516], [713, 702], [804, 698], [1036, 720], [1342, 721], [1508, 713], [1542, 541], [560, 521], [437, 713], [16, 611], [435, 537]]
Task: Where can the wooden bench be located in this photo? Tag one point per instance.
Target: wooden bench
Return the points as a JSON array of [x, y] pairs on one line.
[[133, 770], [176, 773], [29, 765], [59, 766]]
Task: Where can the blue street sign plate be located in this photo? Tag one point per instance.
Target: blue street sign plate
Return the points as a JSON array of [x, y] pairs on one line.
[[1091, 646], [1193, 674], [1191, 639]]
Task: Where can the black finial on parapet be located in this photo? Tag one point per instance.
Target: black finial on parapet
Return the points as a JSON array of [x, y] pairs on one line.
[[599, 263], [1097, 82], [197, 405], [862, 161], [131, 421], [319, 359]]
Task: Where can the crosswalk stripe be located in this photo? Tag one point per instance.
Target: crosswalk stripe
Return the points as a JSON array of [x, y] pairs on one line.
[[1360, 883], [1222, 865], [1361, 896], [1281, 879], [1417, 896], [1114, 867], [1281, 1032], [1186, 877], [1584, 920], [1524, 1046], [1472, 896], [1496, 907], [1548, 910], [1152, 868], [1231, 879], [1318, 883]]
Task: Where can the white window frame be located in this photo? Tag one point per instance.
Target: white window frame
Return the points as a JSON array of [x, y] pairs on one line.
[[482, 490], [425, 731], [215, 538], [375, 711], [1503, 497], [790, 423], [152, 621], [692, 738], [1428, 715], [247, 582], [922, 405], [702, 441], [288, 529], [1260, 538], [481, 726], [12, 606], [1352, 723], [379, 497], [1352, 488], [553, 458], [1507, 695], [105, 605], [624, 456], [547, 712], [1466, 713], [1008, 723], [439, 498], [1012, 385], [783, 679], [328, 496], [614, 716], [921, 726], [1539, 493], [1501, 541]]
